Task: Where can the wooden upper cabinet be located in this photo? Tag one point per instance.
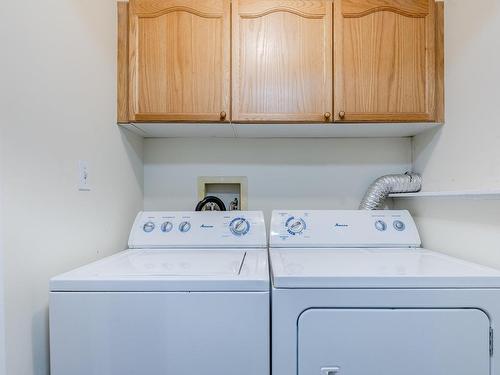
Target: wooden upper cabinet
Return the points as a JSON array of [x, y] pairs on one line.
[[282, 61], [385, 61], [179, 60]]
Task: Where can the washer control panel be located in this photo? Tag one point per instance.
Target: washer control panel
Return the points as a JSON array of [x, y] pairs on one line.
[[198, 229], [343, 228]]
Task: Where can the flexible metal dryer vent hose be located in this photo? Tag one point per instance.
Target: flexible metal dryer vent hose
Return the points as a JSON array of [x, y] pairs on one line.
[[380, 189]]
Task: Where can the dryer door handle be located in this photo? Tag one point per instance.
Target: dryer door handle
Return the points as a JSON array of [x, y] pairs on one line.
[[330, 371]]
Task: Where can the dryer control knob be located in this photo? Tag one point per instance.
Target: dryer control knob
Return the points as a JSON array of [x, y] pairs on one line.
[[295, 225], [185, 226], [380, 225], [399, 225]]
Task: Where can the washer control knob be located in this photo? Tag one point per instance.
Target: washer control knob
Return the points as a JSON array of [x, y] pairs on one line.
[[380, 225], [399, 225], [166, 227], [295, 225], [239, 226], [185, 226], [149, 227]]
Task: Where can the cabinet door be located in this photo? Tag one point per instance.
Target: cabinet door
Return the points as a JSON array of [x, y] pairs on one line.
[[282, 61], [179, 60], [384, 60]]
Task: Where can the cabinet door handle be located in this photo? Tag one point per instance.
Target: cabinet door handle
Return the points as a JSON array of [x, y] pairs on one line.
[[223, 115], [341, 115], [327, 115]]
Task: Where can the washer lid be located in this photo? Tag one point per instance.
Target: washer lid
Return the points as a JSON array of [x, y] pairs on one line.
[[171, 270], [376, 268]]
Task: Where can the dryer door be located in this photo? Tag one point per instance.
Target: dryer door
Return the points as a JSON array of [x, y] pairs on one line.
[[393, 342]]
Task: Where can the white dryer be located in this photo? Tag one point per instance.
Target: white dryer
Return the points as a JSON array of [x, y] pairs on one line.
[[353, 293], [190, 296]]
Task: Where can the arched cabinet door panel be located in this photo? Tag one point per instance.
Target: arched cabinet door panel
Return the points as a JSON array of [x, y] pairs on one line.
[[179, 60], [385, 60], [282, 61]]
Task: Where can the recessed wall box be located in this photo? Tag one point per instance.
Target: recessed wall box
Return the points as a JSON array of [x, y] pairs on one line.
[[232, 190]]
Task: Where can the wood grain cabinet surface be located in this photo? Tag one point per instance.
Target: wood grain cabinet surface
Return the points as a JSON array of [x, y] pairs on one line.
[[385, 61], [282, 61], [179, 60]]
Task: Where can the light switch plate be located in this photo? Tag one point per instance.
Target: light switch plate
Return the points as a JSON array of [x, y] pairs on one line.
[[83, 176]]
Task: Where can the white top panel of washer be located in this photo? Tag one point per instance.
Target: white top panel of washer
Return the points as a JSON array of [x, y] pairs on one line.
[[376, 268], [360, 229], [150, 270], [205, 229]]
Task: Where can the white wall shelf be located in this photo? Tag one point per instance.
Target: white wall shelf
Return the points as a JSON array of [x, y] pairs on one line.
[[462, 194], [232, 130]]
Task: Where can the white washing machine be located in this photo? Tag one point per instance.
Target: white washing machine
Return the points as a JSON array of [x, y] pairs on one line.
[[353, 293], [190, 296]]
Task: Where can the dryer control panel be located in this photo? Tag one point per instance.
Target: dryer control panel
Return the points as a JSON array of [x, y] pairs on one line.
[[204, 229], [343, 228]]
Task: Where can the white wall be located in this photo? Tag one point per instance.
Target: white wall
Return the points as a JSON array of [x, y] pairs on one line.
[[282, 173], [465, 153], [468, 229], [58, 95], [2, 294]]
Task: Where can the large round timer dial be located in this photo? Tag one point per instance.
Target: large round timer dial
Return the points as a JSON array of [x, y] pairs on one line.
[[295, 225], [239, 226]]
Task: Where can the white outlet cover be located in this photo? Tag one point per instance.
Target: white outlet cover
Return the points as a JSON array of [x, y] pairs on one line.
[[83, 176]]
